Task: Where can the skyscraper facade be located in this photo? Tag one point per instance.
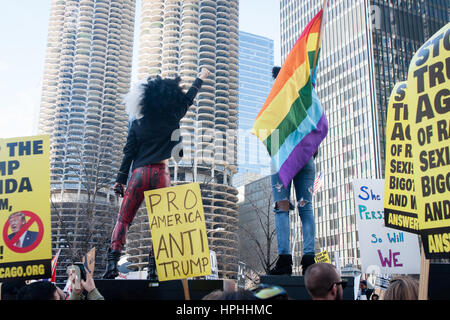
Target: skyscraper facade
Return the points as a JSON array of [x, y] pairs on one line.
[[256, 59], [87, 70], [366, 49], [179, 38]]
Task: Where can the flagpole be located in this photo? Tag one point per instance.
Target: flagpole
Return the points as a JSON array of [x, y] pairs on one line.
[[319, 38]]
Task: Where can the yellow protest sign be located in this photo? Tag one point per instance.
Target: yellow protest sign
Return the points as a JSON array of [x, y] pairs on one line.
[[177, 224], [322, 257], [400, 209], [429, 105], [25, 220]]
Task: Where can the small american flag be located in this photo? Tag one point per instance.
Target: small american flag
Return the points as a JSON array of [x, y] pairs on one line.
[[318, 183]]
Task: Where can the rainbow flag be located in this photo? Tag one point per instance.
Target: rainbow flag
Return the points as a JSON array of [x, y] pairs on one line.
[[292, 123]]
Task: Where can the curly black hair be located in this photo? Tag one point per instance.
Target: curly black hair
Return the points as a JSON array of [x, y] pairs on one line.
[[161, 96]]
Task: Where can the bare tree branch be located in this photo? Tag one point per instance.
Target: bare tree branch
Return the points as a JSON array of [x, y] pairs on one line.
[[263, 213], [79, 225]]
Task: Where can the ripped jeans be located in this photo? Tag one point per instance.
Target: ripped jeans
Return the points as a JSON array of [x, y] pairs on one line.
[[303, 185]]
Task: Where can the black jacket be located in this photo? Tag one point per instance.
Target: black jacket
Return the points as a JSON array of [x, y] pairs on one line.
[[150, 138]]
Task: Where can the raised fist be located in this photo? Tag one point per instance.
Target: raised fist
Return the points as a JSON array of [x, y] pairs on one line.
[[204, 73]]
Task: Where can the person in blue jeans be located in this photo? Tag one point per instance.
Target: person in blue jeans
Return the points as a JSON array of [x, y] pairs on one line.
[[303, 186]]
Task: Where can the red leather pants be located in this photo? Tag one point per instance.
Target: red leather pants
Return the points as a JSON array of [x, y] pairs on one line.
[[150, 177]]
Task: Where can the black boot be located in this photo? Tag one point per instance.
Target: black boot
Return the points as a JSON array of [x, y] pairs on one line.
[[283, 266], [112, 259], [307, 260], [151, 272]]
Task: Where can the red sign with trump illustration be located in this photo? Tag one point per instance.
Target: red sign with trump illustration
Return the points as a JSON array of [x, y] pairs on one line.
[[23, 239]]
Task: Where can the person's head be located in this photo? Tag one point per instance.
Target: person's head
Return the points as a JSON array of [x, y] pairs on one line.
[[323, 282], [402, 288], [154, 97], [229, 285], [230, 295], [275, 71], [40, 290], [161, 96], [375, 297], [10, 289], [363, 284], [214, 295], [16, 221]]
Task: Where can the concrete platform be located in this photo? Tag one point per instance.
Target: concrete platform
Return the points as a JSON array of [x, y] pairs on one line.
[[167, 290], [173, 290], [295, 286], [439, 282]]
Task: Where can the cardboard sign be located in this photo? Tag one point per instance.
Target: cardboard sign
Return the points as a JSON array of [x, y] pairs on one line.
[[429, 106], [400, 209], [383, 250], [89, 261], [322, 257], [25, 220], [177, 224]]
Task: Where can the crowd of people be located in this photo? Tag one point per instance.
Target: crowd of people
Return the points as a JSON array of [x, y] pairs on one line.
[[322, 282], [47, 290]]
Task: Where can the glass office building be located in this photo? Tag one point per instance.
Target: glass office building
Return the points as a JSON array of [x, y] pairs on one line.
[[366, 49], [256, 59]]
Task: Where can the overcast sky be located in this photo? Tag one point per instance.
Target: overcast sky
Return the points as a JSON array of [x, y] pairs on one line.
[[23, 30]]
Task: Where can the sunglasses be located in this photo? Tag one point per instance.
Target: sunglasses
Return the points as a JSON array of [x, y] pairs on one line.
[[343, 283]]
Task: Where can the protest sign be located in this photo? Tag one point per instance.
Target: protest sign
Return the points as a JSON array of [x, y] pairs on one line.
[[177, 224], [399, 199], [382, 281], [214, 268], [383, 250], [322, 257], [241, 274], [428, 99], [25, 221], [89, 261]]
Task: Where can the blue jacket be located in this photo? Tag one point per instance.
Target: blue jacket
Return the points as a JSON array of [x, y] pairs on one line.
[[30, 238]]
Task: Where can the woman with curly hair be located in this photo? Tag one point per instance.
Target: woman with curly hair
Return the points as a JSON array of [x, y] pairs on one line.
[[156, 108]]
